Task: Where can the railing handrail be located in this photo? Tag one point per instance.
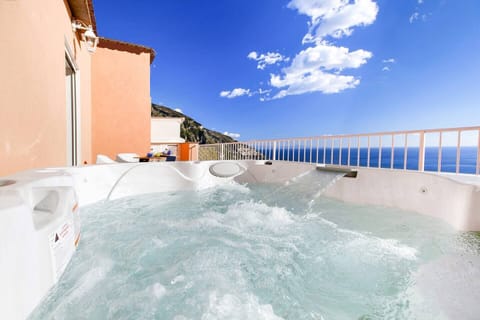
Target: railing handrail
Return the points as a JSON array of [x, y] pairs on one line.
[[384, 133], [268, 148]]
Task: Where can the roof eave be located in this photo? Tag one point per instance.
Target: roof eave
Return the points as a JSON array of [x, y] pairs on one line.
[[83, 10], [126, 46]]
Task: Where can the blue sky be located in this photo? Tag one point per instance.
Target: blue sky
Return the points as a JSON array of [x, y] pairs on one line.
[[293, 68]]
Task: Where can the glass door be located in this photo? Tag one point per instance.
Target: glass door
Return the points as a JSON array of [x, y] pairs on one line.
[[71, 105]]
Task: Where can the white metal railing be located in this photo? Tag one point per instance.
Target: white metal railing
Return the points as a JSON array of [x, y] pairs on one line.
[[442, 150]]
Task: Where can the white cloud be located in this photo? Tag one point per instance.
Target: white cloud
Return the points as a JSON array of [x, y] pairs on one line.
[[308, 71], [178, 110], [237, 92], [327, 57], [318, 68], [264, 94], [231, 134], [316, 80], [414, 17], [335, 18], [252, 55], [267, 58], [389, 61], [417, 16], [261, 91]]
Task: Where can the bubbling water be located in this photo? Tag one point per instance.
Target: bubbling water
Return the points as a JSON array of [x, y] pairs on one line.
[[278, 251]]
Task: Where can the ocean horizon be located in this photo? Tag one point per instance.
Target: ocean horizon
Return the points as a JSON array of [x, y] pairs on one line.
[[468, 157]]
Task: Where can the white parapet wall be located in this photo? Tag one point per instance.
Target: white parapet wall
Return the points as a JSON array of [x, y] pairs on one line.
[[166, 130]]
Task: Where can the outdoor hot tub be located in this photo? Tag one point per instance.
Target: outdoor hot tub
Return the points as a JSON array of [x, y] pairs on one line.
[[238, 240]]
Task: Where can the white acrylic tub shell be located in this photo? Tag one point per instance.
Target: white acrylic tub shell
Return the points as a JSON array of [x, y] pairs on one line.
[[39, 218], [39, 225]]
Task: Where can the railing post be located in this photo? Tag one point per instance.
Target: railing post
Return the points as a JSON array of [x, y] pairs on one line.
[[478, 154], [331, 149], [459, 144], [348, 154], [421, 152], [379, 151], [274, 156], [311, 147], [340, 152], [439, 160], [358, 151], [298, 153], [368, 151], [305, 150], [324, 150], [392, 155], [221, 151]]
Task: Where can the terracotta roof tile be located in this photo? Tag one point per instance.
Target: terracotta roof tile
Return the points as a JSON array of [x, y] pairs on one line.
[[125, 46]]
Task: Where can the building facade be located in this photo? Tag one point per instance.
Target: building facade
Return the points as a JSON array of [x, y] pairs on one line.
[[61, 104]]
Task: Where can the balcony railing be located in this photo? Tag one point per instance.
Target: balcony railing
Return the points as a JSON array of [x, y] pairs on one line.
[[454, 150]]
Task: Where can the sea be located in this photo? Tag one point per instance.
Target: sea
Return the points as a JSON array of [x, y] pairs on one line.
[[382, 157]]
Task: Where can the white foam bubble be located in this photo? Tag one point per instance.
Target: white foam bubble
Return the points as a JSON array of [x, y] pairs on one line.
[[375, 245], [394, 247], [241, 307], [234, 186], [311, 215], [91, 278], [230, 186], [179, 278], [158, 290], [255, 214], [379, 246], [329, 223], [159, 243]]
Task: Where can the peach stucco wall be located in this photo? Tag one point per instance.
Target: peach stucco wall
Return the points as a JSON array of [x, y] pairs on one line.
[[84, 59], [121, 102], [33, 37]]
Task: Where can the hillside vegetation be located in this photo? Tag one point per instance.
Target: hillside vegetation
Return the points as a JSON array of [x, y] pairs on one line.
[[191, 130]]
